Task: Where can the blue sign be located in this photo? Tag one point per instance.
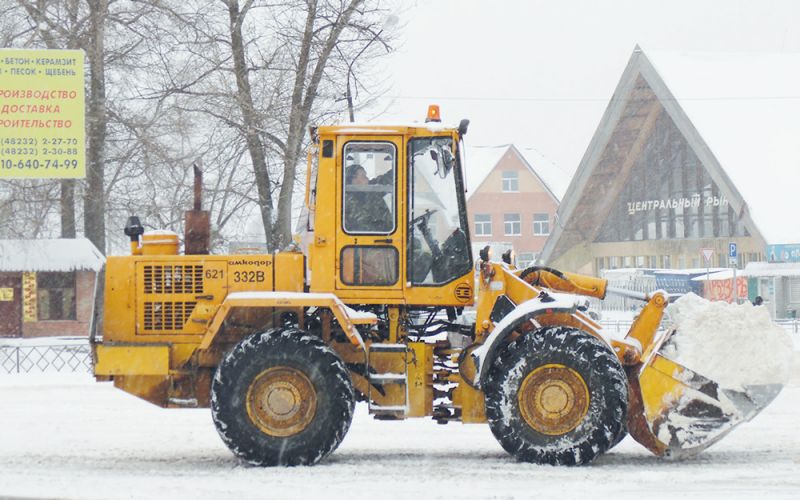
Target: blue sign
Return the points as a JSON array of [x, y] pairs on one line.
[[783, 253], [732, 250]]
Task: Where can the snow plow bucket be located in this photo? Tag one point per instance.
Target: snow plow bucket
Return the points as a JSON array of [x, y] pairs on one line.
[[684, 412]]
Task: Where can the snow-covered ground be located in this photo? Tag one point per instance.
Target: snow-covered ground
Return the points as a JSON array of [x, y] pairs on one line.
[[65, 436]]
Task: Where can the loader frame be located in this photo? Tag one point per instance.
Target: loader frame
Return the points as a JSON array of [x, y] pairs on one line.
[[201, 330]]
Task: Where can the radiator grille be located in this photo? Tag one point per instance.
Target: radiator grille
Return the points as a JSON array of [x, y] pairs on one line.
[[166, 316], [173, 279]]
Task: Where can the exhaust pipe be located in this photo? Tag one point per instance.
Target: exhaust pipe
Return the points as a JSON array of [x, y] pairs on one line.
[[197, 230]]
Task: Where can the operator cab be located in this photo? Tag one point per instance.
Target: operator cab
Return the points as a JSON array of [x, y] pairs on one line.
[[399, 233]]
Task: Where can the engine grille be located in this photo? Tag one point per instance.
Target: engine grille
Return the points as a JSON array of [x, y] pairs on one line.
[[173, 279], [169, 296], [166, 316]]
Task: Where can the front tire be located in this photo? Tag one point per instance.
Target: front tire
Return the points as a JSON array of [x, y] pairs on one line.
[[556, 396], [282, 397]]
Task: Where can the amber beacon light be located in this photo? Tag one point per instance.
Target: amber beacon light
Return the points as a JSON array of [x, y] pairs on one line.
[[433, 114]]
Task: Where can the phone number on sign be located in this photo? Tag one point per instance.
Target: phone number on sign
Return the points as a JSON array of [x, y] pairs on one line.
[[23, 151], [32, 141], [38, 164]]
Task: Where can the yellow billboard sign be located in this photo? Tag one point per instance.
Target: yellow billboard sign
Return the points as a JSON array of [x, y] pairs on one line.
[[42, 112]]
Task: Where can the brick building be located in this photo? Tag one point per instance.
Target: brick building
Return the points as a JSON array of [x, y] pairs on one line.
[[513, 194], [47, 286]]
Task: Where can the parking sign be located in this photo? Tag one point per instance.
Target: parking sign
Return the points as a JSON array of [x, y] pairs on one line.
[[732, 253]]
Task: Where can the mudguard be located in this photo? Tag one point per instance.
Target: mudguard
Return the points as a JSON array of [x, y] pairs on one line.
[[548, 303]]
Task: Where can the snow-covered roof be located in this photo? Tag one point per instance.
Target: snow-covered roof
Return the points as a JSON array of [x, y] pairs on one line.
[[556, 178], [746, 107], [725, 274], [52, 255], [690, 271], [379, 127], [756, 270], [481, 160], [767, 269]]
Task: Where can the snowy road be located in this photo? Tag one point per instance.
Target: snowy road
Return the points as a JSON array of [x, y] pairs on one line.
[[65, 436]]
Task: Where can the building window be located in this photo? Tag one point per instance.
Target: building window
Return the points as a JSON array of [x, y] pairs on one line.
[[510, 181], [613, 263], [794, 290], [627, 262], [653, 261], [541, 224], [640, 261], [483, 225], [666, 262], [512, 224], [526, 259], [55, 296]]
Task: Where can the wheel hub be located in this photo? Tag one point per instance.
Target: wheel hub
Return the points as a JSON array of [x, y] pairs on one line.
[[281, 401], [553, 399]]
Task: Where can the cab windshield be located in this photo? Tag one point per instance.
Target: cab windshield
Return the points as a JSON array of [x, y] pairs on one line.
[[439, 249]]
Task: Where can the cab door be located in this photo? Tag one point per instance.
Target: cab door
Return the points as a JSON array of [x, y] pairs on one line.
[[370, 218]]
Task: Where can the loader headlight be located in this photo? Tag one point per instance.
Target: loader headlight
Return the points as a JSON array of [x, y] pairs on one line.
[[485, 253], [508, 256]]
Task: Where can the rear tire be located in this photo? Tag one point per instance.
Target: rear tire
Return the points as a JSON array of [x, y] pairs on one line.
[[556, 396], [282, 397]]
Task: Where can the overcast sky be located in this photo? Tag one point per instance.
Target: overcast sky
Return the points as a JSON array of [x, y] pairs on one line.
[[540, 73]]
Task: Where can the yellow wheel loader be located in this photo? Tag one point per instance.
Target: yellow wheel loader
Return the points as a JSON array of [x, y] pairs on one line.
[[371, 305]]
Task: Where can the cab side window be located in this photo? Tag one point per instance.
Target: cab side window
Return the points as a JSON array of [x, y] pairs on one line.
[[364, 265], [370, 194]]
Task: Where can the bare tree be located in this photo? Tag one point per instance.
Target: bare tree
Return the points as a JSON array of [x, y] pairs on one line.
[[94, 205], [231, 83], [320, 35], [274, 69], [251, 125], [26, 207]]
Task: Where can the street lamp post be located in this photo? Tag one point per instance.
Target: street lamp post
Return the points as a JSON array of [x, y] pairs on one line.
[[389, 22]]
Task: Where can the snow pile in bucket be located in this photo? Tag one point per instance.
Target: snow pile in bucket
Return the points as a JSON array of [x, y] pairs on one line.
[[734, 345]]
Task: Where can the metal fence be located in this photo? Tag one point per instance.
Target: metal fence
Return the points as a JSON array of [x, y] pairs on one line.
[[77, 357], [790, 325], [60, 358]]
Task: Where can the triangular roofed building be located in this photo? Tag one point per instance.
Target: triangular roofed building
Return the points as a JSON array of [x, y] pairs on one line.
[[694, 151], [512, 197]]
